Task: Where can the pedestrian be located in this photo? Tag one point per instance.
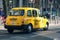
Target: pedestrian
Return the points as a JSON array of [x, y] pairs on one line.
[[53, 16], [47, 15], [1, 14]]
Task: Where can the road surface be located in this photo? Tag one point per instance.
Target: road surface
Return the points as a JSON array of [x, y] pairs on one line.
[[52, 34]]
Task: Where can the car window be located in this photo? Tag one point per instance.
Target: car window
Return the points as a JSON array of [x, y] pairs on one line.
[[16, 13], [34, 13], [29, 13], [39, 13], [21, 12]]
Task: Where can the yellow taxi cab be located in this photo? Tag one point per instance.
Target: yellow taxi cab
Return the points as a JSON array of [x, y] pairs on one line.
[[25, 18]]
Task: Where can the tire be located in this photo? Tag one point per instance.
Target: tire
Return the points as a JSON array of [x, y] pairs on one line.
[[47, 25], [10, 30], [29, 28]]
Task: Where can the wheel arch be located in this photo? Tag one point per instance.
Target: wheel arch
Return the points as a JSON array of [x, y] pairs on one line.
[[47, 23], [31, 24]]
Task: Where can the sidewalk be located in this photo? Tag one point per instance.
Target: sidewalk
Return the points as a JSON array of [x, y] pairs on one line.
[[2, 28], [54, 23]]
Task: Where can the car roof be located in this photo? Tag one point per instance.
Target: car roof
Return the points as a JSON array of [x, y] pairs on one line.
[[25, 8]]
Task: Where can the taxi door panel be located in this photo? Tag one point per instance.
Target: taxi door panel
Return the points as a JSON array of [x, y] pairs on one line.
[[37, 22], [42, 23], [34, 13]]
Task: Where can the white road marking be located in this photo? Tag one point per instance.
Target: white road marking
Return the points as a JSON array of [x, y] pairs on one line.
[[41, 33], [44, 32], [35, 35], [56, 39], [19, 37]]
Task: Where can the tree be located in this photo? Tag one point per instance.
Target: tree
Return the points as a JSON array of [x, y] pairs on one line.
[[5, 7]]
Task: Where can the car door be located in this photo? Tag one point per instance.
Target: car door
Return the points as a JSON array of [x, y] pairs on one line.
[[40, 20], [36, 20], [29, 17]]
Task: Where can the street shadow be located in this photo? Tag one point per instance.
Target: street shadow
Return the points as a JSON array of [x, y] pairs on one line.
[[5, 32]]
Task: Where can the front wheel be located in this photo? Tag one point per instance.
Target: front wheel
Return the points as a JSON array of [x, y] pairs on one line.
[[46, 28]]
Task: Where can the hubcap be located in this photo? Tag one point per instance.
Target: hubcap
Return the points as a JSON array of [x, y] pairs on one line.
[[29, 28]]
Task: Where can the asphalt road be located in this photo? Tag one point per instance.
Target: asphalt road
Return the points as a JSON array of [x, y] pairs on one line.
[[51, 34]]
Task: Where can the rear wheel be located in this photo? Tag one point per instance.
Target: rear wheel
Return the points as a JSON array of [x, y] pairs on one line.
[[29, 28], [10, 30]]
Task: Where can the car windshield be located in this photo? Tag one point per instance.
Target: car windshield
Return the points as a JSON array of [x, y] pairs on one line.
[[16, 13]]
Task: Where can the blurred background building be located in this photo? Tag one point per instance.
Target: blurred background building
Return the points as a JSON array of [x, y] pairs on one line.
[[46, 6]]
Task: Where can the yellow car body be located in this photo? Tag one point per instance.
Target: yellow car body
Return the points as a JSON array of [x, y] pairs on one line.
[[19, 18]]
